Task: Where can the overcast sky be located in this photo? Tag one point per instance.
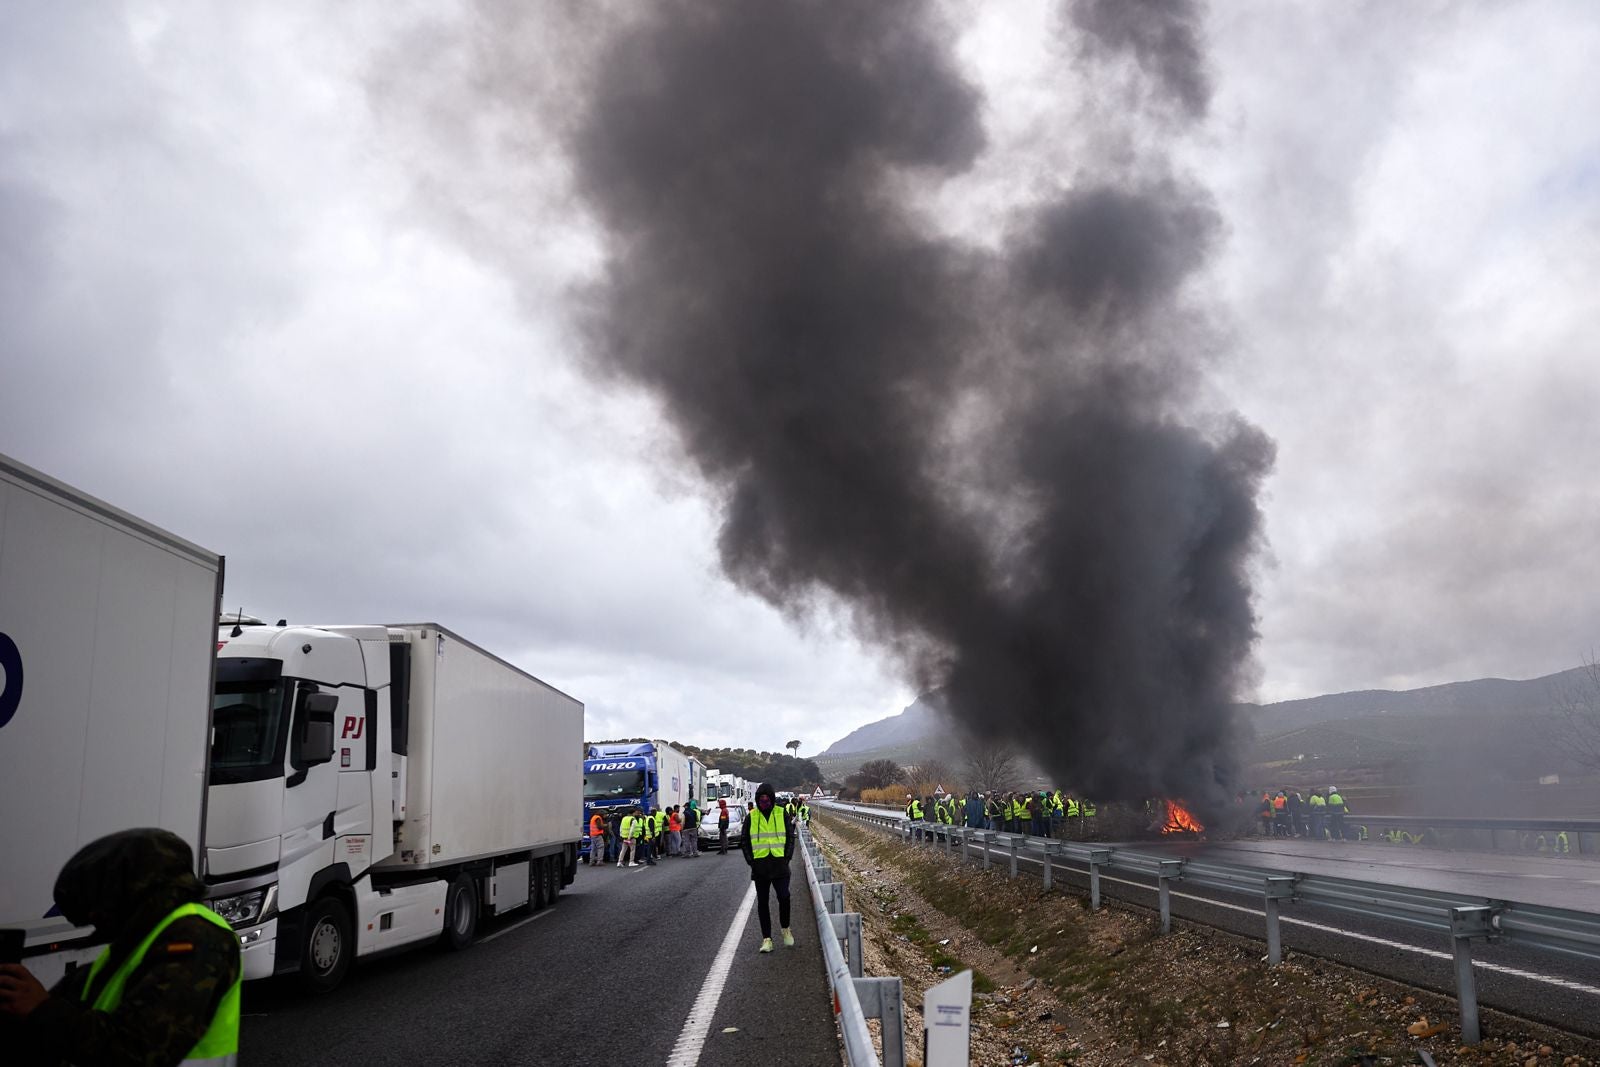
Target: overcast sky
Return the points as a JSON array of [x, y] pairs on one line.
[[262, 285]]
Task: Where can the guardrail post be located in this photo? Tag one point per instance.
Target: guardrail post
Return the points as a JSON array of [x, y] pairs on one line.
[[966, 836], [1466, 924], [1276, 889], [949, 839], [985, 838], [1011, 846], [1098, 857], [832, 896], [1169, 870], [847, 928], [1051, 850], [883, 999]]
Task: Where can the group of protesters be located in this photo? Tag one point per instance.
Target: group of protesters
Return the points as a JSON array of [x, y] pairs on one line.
[[1320, 817], [1041, 813], [630, 837]]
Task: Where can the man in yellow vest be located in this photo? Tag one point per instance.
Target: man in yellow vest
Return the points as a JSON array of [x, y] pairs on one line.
[[629, 855], [165, 990], [768, 846]]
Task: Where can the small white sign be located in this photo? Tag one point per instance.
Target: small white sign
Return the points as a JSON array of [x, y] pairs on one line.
[[947, 1022]]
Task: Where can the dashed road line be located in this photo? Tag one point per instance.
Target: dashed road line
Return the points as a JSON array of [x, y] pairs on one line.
[[692, 1039]]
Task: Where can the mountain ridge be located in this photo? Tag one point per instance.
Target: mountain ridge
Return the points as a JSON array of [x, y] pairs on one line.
[[917, 723]]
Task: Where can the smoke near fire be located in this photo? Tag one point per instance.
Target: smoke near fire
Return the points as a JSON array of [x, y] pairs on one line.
[[995, 454]]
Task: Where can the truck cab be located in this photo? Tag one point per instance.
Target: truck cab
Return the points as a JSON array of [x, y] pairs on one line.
[[305, 788], [619, 778]]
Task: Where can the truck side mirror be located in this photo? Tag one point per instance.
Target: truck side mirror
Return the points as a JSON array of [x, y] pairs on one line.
[[316, 737]]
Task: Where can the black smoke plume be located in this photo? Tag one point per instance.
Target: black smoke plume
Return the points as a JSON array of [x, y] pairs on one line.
[[996, 460]]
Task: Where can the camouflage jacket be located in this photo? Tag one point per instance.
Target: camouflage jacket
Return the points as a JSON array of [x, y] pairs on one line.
[[126, 884]]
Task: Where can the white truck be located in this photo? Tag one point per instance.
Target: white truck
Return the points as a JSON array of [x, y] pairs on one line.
[[697, 782], [107, 631], [374, 787], [729, 786]]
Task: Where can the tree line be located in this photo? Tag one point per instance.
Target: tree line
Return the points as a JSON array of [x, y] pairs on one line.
[[781, 769]]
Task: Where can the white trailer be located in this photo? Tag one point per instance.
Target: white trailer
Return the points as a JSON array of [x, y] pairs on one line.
[[697, 782], [381, 786], [107, 630]]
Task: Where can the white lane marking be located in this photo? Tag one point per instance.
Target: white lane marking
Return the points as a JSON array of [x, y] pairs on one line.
[[515, 926], [686, 1053]]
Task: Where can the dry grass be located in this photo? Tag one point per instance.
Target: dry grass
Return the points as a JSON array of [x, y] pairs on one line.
[[1108, 989]]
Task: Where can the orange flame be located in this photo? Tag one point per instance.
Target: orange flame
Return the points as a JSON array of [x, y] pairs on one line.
[[1180, 821]]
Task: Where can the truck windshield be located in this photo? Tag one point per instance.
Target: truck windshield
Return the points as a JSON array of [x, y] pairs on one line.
[[607, 785], [249, 721]]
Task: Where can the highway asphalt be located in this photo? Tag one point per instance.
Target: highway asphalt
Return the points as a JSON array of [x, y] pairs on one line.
[[1557, 990], [608, 975]]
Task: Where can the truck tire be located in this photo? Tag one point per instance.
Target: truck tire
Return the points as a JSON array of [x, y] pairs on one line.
[[460, 913], [536, 885], [328, 945], [557, 875]]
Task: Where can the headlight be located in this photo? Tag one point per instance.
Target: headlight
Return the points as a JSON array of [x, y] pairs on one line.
[[248, 908]]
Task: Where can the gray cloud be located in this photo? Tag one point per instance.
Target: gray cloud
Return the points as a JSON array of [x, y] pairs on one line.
[[275, 282]]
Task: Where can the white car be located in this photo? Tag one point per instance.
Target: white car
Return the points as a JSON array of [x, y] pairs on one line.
[[708, 825]]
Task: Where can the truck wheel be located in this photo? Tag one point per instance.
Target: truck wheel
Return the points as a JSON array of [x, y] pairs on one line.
[[553, 865], [460, 913], [328, 948], [536, 885]]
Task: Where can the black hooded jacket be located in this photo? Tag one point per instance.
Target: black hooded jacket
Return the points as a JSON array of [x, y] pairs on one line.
[[770, 867], [124, 884]]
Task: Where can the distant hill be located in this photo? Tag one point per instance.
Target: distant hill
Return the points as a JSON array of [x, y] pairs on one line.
[[916, 724], [1493, 697], [1370, 725]]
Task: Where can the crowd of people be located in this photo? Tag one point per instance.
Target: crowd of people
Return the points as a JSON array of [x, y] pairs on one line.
[[1043, 813], [1321, 816], [629, 837]]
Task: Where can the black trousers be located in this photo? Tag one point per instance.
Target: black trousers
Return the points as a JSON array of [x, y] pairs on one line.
[[763, 912]]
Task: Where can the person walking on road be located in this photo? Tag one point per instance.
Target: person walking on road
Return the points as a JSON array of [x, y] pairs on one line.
[[165, 990], [722, 827], [674, 832], [768, 845]]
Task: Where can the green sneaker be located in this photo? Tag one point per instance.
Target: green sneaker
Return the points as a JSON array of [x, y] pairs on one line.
[[766, 944], [788, 939]]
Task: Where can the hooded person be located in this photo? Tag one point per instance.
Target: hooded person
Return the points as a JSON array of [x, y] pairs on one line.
[[166, 988], [768, 845]]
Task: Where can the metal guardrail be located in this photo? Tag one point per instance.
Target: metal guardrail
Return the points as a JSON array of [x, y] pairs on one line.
[[1498, 834], [856, 998], [1462, 917]]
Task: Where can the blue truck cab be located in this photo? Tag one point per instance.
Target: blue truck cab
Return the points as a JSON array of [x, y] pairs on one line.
[[621, 775]]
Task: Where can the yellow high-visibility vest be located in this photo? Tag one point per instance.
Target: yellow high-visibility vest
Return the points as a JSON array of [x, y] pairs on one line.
[[768, 833], [220, 1042]]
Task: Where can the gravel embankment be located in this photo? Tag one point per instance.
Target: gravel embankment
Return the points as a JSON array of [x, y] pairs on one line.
[[1059, 984]]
